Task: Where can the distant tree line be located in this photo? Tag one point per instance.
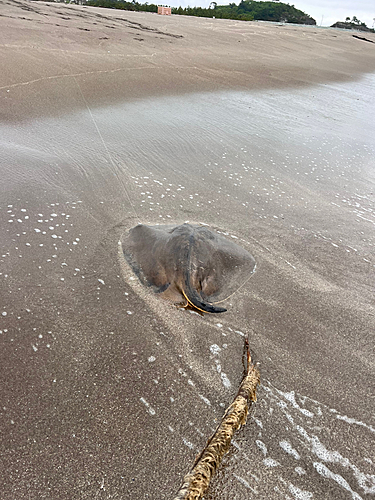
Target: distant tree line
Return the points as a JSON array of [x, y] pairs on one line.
[[353, 24], [249, 10], [120, 4], [246, 10]]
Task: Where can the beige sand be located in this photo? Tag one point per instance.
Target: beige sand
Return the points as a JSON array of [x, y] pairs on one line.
[[108, 392], [117, 55]]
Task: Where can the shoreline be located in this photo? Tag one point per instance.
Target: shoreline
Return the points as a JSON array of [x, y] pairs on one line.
[[104, 385], [55, 56]]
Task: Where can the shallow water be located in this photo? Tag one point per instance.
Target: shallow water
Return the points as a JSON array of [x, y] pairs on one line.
[[104, 387]]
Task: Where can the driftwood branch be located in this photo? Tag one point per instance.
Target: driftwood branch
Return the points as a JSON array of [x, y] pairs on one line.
[[197, 480]]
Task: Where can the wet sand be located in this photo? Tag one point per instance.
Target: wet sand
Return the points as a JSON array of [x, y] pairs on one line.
[[114, 55], [264, 132]]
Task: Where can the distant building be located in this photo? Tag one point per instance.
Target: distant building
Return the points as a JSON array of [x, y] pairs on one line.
[[164, 11]]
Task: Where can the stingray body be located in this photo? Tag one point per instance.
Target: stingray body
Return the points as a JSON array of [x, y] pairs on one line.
[[188, 263]]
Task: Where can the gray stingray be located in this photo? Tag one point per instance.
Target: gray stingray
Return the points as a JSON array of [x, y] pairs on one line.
[[188, 262]]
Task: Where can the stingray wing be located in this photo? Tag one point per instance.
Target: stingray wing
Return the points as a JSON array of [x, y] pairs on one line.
[[222, 265], [145, 249]]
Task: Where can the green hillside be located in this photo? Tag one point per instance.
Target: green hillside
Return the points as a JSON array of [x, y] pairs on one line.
[[249, 10], [246, 10]]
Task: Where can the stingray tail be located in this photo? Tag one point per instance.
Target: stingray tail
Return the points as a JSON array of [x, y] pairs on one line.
[[193, 297], [197, 302]]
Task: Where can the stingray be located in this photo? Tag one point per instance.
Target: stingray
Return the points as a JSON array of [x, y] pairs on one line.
[[188, 264]]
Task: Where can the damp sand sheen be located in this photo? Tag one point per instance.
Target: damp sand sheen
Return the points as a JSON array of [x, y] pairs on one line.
[[194, 264], [104, 384]]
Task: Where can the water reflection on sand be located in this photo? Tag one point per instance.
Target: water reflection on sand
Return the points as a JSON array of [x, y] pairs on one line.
[[104, 386]]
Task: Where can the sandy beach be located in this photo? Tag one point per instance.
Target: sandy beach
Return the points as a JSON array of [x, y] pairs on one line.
[[262, 131], [118, 55]]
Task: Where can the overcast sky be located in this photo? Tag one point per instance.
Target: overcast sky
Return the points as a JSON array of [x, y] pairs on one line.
[[330, 10], [337, 10]]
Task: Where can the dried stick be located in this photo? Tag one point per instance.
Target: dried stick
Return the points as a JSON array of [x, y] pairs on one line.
[[197, 480]]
